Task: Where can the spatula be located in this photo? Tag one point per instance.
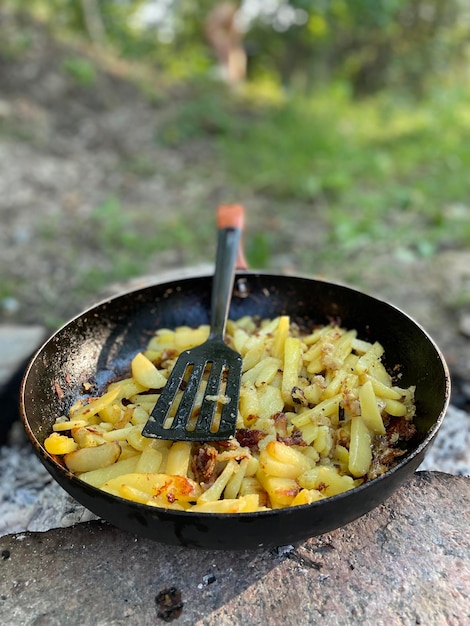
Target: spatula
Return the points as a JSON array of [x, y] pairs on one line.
[[213, 360]]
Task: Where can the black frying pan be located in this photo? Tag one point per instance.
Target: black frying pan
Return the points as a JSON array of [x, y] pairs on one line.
[[99, 345]]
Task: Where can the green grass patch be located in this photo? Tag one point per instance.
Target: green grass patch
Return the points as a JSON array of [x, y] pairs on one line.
[[203, 110], [379, 170], [81, 70], [129, 241]]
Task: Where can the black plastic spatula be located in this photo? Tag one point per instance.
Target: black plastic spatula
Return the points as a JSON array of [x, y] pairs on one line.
[[213, 361]]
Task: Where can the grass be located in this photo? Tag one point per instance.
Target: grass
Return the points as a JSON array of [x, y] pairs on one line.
[[128, 247], [81, 70], [376, 174], [378, 170], [111, 245]]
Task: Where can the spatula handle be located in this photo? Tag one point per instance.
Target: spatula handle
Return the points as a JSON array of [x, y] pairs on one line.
[[233, 216], [230, 221]]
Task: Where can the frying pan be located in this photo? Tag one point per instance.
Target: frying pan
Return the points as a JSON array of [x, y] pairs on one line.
[[98, 345]]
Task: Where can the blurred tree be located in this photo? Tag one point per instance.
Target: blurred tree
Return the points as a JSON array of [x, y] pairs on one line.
[[368, 43], [93, 20]]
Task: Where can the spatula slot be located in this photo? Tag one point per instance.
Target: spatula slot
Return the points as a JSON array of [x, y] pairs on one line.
[[199, 399]]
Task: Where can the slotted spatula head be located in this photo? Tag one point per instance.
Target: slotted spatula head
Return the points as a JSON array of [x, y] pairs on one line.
[[200, 400]]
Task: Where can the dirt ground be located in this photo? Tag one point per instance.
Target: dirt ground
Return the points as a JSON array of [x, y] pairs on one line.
[[64, 149]]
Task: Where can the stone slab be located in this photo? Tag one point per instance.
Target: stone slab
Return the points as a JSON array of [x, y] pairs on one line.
[[406, 562]]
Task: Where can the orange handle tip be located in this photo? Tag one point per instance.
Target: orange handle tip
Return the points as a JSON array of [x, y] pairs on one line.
[[231, 216]]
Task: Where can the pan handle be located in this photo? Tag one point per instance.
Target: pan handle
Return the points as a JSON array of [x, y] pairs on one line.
[[233, 216]]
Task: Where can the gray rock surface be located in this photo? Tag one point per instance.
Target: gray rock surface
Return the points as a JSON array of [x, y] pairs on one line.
[[406, 562]]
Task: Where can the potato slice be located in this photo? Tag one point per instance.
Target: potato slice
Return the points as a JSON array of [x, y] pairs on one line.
[[360, 453], [95, 405], [59, 444], [87, 459], [307, 496], [150, 461], [292, 365], [277, 459], [69, 425], [243, 504], [179, 458], [281, 491], [176, 487], [370, 409], [99, 476], [146, 374]]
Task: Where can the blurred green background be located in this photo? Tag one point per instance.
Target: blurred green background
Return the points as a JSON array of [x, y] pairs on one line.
[[348, 137]]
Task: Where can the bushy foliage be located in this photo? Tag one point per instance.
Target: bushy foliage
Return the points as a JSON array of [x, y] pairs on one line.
[[370, 43]]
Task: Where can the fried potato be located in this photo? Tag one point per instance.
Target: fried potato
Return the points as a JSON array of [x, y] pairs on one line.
[[92, 458], [99, 476], [179, 456], [312, 417], [149, 461], [243, 504], [360, 454], [277, 459], [370, 411], [171, 487], [60, 444], [281, 490], [292, 364], [95, 405], [146, 374]]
